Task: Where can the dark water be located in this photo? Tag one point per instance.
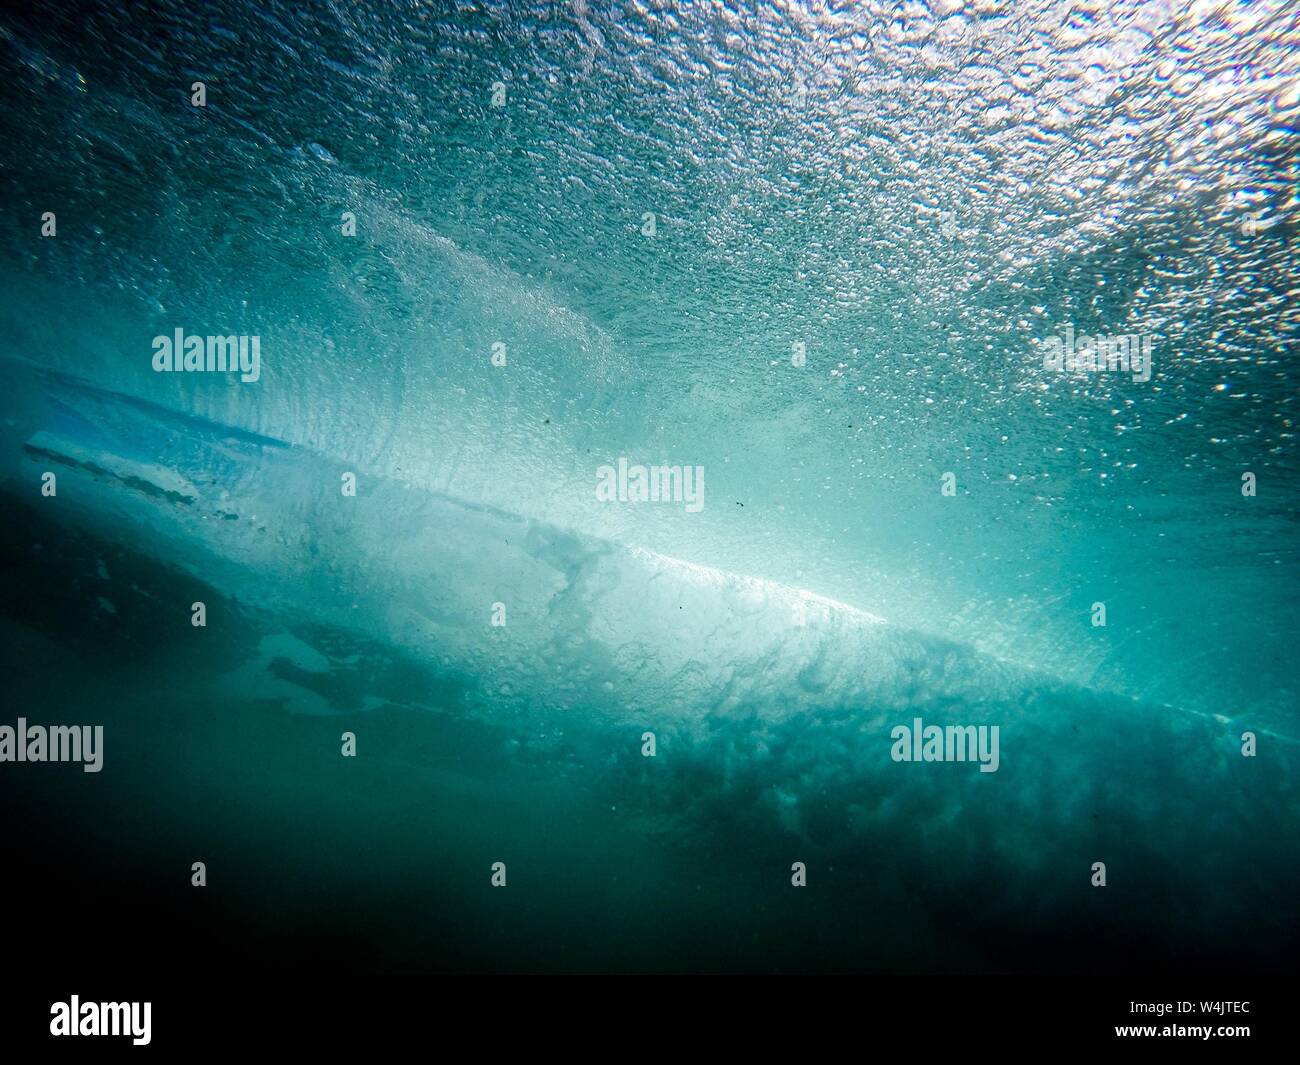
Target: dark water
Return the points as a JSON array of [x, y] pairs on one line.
[[615, 865], [819, 177]]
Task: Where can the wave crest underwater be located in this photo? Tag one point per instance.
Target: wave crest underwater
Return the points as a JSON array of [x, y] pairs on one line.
[[913, 200]]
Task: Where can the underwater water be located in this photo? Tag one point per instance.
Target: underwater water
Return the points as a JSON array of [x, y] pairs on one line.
[[811, 254]]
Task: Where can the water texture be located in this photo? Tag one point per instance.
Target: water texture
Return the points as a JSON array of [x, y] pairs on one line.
[[816, 251]]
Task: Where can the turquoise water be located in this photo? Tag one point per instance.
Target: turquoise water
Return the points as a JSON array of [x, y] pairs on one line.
[[910, 200]]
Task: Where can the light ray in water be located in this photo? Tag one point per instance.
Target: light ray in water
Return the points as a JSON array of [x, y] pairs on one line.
[[801, 487]]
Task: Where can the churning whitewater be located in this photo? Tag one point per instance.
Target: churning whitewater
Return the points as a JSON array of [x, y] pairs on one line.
[[639, 487]]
